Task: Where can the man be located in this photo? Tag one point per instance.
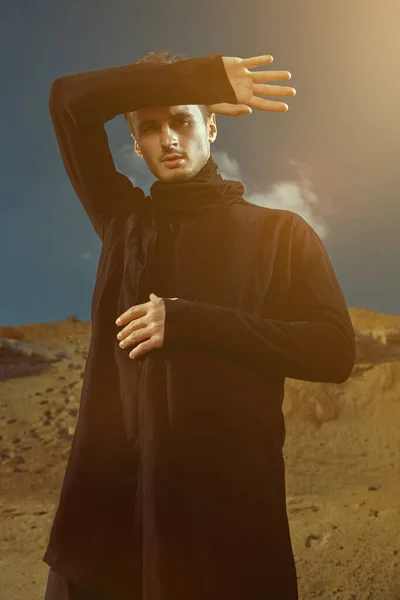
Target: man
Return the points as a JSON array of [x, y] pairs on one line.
[[175, 485]]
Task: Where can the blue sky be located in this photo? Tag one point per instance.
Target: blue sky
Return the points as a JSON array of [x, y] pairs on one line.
[[333, 157]]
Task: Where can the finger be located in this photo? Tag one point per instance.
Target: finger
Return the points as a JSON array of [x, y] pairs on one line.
[[132, 340], [131, 312], [273, 90], [255, 61], [141, 349], [221, 107], [244, 109], [234, 110], [230, 110], [268, 105], [270, 75], [128, 333]]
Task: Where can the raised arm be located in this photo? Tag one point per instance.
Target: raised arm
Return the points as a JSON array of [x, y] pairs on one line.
[[80, 104]]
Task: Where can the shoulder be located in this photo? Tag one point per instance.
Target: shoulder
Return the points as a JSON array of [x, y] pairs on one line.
[[294, 225], [276, 217]]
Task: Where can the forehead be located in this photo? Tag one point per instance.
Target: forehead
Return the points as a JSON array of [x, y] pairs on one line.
[[159, 113]]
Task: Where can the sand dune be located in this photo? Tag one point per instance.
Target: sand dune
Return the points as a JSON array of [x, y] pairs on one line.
[[342, 456]]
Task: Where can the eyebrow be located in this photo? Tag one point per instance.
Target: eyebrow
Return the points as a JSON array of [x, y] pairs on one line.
[[178, 114]]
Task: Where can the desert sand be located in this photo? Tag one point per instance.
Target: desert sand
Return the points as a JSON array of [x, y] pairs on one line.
[[342, 454]]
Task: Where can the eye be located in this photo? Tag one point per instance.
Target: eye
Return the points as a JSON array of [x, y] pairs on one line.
[[178, 120], [183, 119]]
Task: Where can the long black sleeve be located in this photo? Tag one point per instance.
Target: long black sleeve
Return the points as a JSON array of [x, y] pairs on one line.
[[317, 344], [81, 103]]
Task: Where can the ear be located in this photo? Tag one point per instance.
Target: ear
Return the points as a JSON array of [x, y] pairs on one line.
[[212, 128], [136, 145]]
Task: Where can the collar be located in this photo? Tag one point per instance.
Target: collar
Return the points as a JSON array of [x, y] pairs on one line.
[[207, 189]]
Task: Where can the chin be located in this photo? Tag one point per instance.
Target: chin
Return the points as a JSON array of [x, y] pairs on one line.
[[177, 174]]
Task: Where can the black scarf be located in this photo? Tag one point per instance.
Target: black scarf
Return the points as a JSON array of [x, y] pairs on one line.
[[206, 189]]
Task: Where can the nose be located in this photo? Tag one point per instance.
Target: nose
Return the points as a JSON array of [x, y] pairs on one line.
[[168, 137]]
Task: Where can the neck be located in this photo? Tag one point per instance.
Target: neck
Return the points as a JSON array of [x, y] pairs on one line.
[[205, 190]]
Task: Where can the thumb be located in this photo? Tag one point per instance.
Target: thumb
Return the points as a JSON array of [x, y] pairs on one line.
[[244, 109], [153, 296]]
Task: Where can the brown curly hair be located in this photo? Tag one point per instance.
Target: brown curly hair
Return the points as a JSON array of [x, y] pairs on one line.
[[165, 57]]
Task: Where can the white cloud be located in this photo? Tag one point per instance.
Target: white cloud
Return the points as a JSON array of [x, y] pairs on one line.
[[297, 196], [227, 166]]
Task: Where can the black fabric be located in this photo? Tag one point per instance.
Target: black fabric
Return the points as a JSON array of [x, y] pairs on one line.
[[59, 588], [175, 484]]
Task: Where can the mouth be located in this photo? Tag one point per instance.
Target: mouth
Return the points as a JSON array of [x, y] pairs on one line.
[[173, 161]]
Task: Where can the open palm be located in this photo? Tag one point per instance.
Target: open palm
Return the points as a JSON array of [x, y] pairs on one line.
[[247, 83]]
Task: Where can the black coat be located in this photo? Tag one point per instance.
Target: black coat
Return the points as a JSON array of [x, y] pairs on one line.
[[175, 485]]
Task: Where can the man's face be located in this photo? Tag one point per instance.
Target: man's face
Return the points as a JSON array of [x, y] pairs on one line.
[[161, 132]]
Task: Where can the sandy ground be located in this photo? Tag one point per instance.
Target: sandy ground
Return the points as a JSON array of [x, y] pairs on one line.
[[342, 456]]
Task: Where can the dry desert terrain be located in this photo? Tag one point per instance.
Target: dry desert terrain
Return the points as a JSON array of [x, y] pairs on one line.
[[342, 454]]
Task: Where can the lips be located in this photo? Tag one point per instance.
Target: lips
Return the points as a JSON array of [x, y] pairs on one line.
[[172, 157], [173, 162]]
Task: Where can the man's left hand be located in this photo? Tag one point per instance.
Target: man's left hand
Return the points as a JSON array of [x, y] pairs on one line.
[[144, 323]]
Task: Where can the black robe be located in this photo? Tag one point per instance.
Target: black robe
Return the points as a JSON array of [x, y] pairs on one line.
[[175, 484]]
